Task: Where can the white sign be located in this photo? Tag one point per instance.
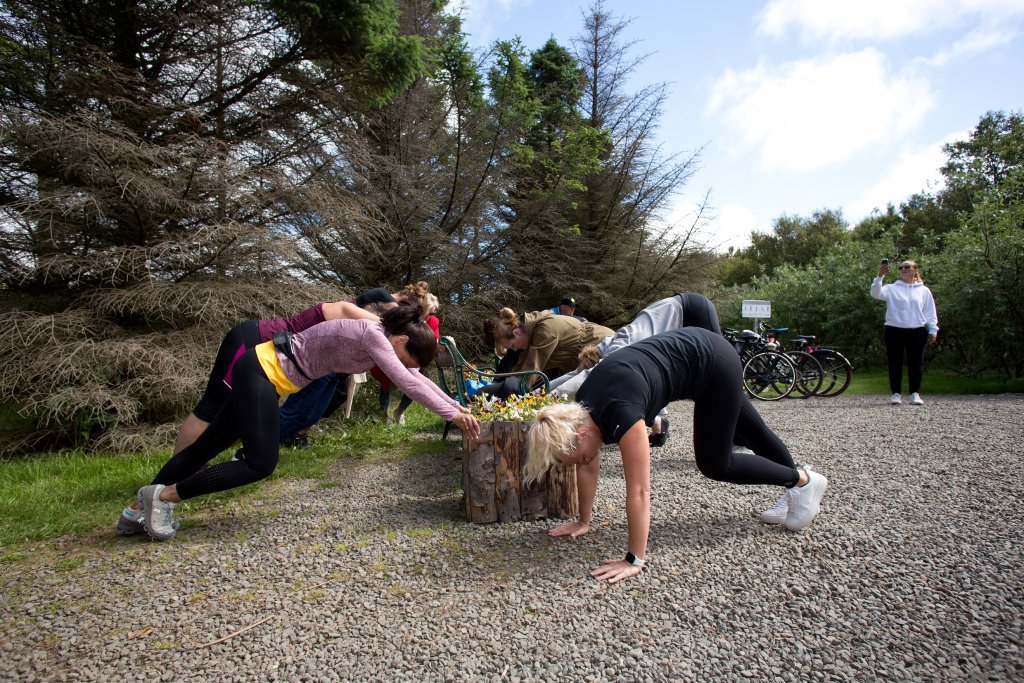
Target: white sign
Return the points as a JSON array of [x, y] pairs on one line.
[[761, 310]]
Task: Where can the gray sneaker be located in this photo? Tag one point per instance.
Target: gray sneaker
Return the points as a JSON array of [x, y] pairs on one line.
[[157, 513], [805, 501], [132, 522]]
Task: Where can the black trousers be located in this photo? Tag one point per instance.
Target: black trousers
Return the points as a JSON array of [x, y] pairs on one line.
[[900, 341], [249, 413], [245, 334], [724, 413]]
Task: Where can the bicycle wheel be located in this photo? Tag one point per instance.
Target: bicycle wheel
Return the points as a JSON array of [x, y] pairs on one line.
[[809, 374], [769, 376], [837, 372]]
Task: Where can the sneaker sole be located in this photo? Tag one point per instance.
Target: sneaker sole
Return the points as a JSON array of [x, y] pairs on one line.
[[770, 519], [127, 527]]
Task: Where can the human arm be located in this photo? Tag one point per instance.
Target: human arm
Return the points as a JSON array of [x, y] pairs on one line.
[[543, 343], [877, 288], [346, 310], [636, 465], [931, 316], [412, 384], [586, 490]]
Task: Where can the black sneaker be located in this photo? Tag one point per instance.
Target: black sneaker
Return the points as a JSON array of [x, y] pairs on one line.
[[658, 440], [297, 441]]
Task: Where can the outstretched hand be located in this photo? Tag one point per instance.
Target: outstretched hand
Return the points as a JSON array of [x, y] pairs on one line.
[[570, 529], [614, 571], [883, 269], [468, 425]]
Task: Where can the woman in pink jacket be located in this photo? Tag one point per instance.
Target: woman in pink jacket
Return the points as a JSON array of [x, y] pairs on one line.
[[397, 344]]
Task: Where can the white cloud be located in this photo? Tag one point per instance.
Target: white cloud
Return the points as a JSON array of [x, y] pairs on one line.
[[915, 170], [481, 16], [975, 42], [733, 226], [811, 113], [831, 20], [715, 228]]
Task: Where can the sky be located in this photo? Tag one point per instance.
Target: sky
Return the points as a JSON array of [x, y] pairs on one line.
[[799, 105]]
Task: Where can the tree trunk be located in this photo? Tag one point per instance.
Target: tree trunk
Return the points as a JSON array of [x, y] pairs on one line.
[[492, 475]]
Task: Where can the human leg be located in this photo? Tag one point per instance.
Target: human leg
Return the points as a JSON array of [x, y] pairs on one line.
[[303, 409], [720, 413], [502, 388], [570, 382], [242, 335], [403, 405], [894, 346], [700, 312], [915, 344], [338, 398], [252, 415]]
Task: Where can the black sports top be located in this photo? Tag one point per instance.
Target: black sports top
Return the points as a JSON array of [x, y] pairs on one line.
[[636, 382]]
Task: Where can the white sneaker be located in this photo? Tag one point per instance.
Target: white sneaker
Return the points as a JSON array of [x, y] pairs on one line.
[[896, 399], [915, 399], [157, 513], [777, 513], [805, 501]]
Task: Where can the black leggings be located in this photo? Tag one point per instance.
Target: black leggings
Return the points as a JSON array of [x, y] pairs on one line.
[[722, 413], [698, 311], [250, 413], [912, 341], [245, 334]]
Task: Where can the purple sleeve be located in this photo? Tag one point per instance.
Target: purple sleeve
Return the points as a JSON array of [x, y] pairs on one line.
[[413, 384], [314, 315]]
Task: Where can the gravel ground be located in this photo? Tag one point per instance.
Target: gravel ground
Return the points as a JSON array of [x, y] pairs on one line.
[[913, 571]]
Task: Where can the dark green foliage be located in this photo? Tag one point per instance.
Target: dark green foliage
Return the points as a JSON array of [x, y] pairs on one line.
[[968, 239]]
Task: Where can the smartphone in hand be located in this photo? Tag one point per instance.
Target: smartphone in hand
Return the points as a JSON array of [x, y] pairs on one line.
[[885, 261]]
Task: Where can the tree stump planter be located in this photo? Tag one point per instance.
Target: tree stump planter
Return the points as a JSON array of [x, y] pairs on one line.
[[492, 475]]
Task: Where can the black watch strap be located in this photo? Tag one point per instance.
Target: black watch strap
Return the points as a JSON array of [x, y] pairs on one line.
[[634, 560]]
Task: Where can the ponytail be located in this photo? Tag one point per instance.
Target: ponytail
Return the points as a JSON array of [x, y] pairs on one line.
[[416, 294], [507, 322], [407, 319]]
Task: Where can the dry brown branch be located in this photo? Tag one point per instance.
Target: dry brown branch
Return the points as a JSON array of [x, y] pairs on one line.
[[238, 632]]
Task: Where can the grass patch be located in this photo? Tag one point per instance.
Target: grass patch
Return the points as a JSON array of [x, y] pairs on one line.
[[48, 495], [936, 381]]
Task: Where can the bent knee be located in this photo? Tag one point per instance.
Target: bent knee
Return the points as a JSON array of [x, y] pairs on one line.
[[713, 468]]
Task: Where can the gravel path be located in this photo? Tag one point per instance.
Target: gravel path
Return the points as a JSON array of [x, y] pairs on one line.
[[913, 571]]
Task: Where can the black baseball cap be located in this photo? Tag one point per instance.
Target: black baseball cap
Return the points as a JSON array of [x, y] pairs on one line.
[[568, 301], [377, 295]]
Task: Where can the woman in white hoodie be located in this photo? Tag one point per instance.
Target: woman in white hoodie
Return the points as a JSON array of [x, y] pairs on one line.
[[910, 323]]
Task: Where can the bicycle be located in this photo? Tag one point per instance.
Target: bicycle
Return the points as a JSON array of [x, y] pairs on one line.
[[837, 371], [810, 371], [768, 375]]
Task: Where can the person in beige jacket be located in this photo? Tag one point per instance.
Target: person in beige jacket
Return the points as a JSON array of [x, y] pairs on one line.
[[549, 343]]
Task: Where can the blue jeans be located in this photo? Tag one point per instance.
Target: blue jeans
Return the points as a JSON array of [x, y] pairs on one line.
[[304, 408]]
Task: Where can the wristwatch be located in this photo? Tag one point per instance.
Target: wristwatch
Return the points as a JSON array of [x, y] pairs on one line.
[[634, 560]]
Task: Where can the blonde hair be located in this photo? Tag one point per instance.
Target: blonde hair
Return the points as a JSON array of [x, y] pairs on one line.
[[415, 294], [432, 304], [589, 357], [503, 326], [552, 436], [917, 269]]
